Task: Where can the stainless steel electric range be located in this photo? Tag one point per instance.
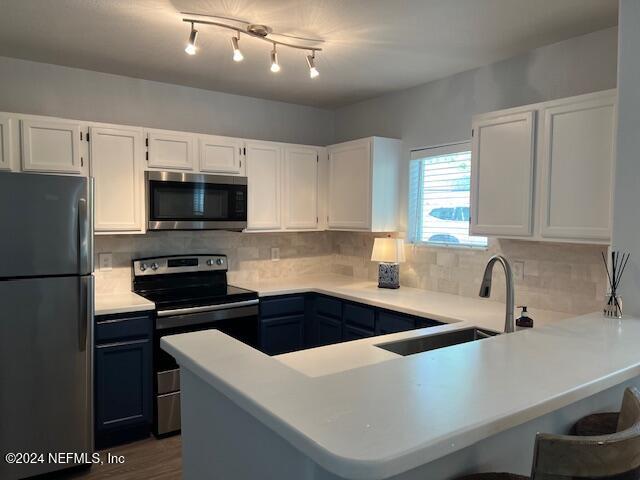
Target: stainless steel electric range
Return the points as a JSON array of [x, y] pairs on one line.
[[191, 293]]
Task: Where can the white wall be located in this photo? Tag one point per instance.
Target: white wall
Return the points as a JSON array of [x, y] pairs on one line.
[[44, 89], [626, 218], [440, 112]]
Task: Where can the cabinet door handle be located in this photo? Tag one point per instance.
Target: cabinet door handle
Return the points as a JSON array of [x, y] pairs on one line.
[[123, 344]]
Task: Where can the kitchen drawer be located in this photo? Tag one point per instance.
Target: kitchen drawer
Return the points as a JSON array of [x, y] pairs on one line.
[[329, 307], [112, 328], [168, 408], [359, 315], [280, 306], [390, 323]]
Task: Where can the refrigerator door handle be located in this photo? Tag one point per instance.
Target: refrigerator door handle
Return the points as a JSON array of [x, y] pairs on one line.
[[85, 231], [86, 311]]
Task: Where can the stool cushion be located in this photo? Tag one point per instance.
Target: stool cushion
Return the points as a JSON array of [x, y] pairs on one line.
[[596, 424], [494, 476]]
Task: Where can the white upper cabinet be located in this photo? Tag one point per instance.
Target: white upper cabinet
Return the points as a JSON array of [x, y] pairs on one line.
[[577, 167], [51, 146], [264, 182], [503, 153], [545, 171], [300, 189], [220, 154], [171, 150], [6, 141], [363, 185], [116, 165]]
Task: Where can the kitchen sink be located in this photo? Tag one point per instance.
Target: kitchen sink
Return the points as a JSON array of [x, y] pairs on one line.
[[433, 342]]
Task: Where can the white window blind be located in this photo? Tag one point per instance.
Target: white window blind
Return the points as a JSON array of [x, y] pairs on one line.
[[439, 209]]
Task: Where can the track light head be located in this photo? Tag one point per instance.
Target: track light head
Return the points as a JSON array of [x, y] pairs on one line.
[[237, 54], [191, 45], [275, 66], [311, 62]]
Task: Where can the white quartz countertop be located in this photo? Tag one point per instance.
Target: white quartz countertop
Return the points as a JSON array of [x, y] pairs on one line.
[[380, 419], [121, 302]]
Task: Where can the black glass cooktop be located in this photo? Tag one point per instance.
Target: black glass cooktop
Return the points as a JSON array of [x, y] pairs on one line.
[[196, 296]]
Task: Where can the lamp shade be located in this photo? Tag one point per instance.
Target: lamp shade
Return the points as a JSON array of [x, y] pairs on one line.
[[389, 250]]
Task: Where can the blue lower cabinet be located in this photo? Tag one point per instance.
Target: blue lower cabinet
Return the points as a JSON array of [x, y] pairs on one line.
[[355, 333], [282, 334], [123, 379], [422, 322], [391, 323], [328, 330], [294, 322], [359, 315]]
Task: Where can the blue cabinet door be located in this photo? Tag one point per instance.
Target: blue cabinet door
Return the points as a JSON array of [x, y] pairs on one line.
[[355, 333], [359, 315], [123, 384], [282, 334], [328, 330], [388, 322]]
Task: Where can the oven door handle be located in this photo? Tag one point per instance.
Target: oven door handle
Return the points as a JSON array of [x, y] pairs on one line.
[[206, 308]]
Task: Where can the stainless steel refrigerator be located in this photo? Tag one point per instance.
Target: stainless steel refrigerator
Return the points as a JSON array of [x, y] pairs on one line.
[[46, 319]]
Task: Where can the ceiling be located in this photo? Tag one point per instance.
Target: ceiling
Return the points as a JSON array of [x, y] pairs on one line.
[[371, 46]]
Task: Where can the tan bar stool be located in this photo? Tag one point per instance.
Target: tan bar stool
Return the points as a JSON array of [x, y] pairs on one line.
[[612, 456]]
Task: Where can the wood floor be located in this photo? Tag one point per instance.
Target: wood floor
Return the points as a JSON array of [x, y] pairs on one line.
[[146, 459]]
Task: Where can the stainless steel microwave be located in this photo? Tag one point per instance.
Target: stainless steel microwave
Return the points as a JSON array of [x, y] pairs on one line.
[[186, 201]]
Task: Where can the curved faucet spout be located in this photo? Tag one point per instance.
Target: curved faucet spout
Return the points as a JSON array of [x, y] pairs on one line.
[[485, 288]]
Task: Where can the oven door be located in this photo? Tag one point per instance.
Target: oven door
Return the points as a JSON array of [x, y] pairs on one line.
[[184, 201], [239, 320]]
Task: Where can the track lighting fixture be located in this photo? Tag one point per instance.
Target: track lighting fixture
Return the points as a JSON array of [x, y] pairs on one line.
[[261, 32], [275, 66], [237, 54], [191, 45], [311, 62]]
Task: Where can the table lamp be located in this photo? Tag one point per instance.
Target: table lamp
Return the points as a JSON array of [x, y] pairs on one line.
[[390, 253]]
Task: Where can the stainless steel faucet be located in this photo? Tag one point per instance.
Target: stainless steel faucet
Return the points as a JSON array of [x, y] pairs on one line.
[[485, 288]]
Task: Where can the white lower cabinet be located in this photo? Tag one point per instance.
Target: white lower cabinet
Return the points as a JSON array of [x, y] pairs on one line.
[[220, 154], [170, 150], [300, 188], [577, 168], [263, 162], [6, 142], [545, 171], [116, 165], [51, 146]]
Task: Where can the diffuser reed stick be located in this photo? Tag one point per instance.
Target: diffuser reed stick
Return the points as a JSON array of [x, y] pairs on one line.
[[619, 260]]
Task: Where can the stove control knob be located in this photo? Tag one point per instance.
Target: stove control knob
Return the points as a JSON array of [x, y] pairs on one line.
[[219, 261], [154, 266], [143, 267], [210, 262]]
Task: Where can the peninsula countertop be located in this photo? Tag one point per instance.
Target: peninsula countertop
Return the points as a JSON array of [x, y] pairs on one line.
[[388, 417]]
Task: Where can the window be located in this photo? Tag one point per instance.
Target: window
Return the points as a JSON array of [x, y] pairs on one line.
[[440, 179]]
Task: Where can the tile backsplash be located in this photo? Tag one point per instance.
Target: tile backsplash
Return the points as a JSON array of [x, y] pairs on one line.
[[249, 253], [561, 277], [556, 276]]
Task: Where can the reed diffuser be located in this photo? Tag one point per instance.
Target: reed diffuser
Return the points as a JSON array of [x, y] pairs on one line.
[[613, 301]]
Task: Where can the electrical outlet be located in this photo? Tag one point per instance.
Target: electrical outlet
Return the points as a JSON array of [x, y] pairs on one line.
[[105, 262], [518, 270], [275, 254]]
